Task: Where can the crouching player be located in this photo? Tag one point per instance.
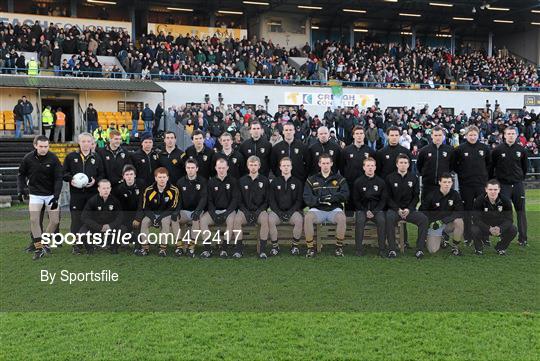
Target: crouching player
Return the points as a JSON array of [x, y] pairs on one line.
[[158, 203], [285, 200], [493, 217], [324, 194], [102, 213], [192, 190], [253, 205], [129, 192], [223, 196], [444, 209], [369, 196], [403, 194]]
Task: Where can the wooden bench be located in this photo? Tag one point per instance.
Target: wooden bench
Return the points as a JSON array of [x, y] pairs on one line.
[[324, 234]]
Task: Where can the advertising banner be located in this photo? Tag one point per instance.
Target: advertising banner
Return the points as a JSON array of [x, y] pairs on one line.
[[327, 99]]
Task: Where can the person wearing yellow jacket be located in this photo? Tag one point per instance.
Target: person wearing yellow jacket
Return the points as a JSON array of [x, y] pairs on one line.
[[107, 132], [47, 120], [99, 136], [33, 67], [124, 133]]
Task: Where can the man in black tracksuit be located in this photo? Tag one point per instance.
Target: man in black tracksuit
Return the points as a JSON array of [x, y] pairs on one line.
[[252, 206], [114, 158], [403, 194], [145, 161], [102, 212], [369, 197], [42, 172], [193, 199], [472, 162], [129, 193], [293, 149], [234, 158], [323, 145], [200, 153], [509, 167], [444, 209], [386, 157], [492, 216], [87, 162], [285, 201], [434, 160], [223, 198], [352, 161], [324, 194], [257, 145], [172, 158]]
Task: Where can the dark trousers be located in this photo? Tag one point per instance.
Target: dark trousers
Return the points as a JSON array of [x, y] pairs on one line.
[[380, 221], [414, 217], [516, 192], [508, 233], [468, 193], [77, 202]]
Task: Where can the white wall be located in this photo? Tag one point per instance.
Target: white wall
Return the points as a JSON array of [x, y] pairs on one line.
[[180, 93]]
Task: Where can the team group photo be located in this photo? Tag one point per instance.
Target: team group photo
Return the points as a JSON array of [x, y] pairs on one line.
[[269, 180]]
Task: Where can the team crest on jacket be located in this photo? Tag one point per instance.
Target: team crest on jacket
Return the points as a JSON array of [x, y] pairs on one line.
[[261, 184], [234, 160], [111, 207], [410, 184], [216, 188], [500, 208], [93, 161], [481, 152], [283, 151], [174, 161], [76, 160], [376, 187], [395, 185], [137, 191], [503, 155], [184, 188], [364, 189], [293, 186], [334, 182], [125, 195], [444, 154], [123, 155], [296, 150], [99, 208], [466, 154], [331, 152], [450, 202], [262, 150], [197, 187], [518, 154], [167, 199], [387, 156], [437, 204], [429, 154], [485, 209], [316, 154], [227, 186], [249, 150], [155, 157], [246, 187], [278, 188], [366, 155], [204, 158], [351, 155]]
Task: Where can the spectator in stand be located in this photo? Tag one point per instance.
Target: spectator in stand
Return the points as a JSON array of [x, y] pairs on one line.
[[18, 116]]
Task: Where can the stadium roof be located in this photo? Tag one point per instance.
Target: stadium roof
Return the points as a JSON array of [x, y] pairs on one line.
[[61, 82], [465, 17]]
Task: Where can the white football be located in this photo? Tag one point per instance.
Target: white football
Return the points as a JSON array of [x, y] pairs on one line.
[[80, 180]]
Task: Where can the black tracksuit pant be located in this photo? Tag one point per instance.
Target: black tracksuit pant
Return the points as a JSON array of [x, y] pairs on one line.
[[508, 233], [380, 221], [468, 193], [516, 192], [414, 217]]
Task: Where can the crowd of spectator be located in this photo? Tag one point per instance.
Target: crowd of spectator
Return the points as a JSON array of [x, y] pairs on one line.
[[163, 56]]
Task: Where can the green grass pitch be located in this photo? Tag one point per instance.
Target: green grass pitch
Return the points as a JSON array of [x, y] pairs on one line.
[[440, 308]]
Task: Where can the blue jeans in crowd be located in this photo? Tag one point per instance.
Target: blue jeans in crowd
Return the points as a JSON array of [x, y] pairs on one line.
[[92, 126], [148, 127], [372, 145], [134, 125], [18, 126], [28, 126]]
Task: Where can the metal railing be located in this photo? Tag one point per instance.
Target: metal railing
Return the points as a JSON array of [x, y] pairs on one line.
[[160, 76]]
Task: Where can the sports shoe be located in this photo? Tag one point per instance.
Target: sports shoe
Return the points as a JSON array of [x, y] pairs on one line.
[[310, 253], [38, 253], [206, 254], [501, 252], [523, 243], [339, 252], [223, 254], [478, 252], [178, 252], [76, 250], [419, 254], [263, 255], [295, 251], [487, 243], [274, 251], [392, 254], [237, 255], [190, 253], [30, 248], [445, 240], [162, 253], [456, 252], [467, 242], [407, 245]]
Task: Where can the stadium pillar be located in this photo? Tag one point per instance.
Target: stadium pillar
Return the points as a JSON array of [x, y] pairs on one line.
[[132, 19], [413, 38], [351, 36], [490, 44], [453, 43], [73, 8], [39, 112], [10, 6]]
